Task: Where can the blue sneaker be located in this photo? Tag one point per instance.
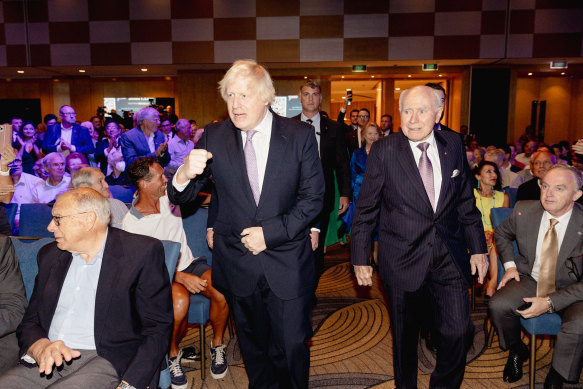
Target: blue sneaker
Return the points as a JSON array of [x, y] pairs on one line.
[[177, 376], [219, 361]]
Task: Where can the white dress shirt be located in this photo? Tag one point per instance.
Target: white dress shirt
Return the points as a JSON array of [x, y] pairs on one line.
[[66, 134], [433, 155], [316, 124], [44, 192], [261, 145], [560, 228]]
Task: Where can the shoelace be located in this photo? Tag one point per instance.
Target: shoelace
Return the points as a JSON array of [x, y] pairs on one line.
[[175, 367], [220, 355]]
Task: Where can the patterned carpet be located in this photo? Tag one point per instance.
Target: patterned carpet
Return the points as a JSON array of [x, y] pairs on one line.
[[352, 347]]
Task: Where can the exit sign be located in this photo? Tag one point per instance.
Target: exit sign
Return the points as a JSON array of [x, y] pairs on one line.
[[559, 65], [359, 68], [429, 66]]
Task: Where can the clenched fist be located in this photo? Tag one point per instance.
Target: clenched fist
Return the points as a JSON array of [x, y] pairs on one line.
[[194, 164]]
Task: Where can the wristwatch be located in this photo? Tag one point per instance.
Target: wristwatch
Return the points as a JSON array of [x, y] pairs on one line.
[[125, 385], [551, 306]]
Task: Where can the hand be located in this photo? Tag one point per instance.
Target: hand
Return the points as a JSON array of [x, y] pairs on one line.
[[47, 353], [538, 307], [342, 204], [161, 149], [578, 147], [479, 262], [8, 155], [210, 236], [191, 282], [253, 239], [510, 274], [314, 237], [489, 236], [194, 164], [65, 145], [363, 275]]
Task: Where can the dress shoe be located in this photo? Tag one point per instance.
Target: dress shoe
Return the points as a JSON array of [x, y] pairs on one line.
[[554, 380], [513, 368]]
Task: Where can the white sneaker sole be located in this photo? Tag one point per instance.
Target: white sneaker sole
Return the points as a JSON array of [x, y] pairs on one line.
[[219, 376], [180, 386]]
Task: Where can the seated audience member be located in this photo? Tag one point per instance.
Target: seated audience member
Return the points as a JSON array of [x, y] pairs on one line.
[[546, 274], [116, 288], [91, 177], [106, 145], [74, 162], [529, 149], [479, 153], [6, 186], [56, 182], [540, 163], [145, 140], [24, 184], [498, 156], [488, 195], [166, 128], [179, 146], [152, 214], [28, 146], [68, 136], [12, 304], [117, 166]]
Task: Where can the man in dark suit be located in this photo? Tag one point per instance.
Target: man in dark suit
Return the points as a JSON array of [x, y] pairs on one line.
[[12, 303], [440, 91], [334, 158], [420, 183], [269, 184], [550, 267], [68, 137], [540, 163], [101, 301]]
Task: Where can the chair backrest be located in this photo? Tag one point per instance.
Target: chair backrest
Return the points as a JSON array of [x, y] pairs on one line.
[[498, 216], [195, 229], [34, 219], [511, 192], [26, 252], [11, 214], [171, 254], [123, 193]]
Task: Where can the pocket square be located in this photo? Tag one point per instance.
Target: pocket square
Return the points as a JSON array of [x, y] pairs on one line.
[[455, 173]]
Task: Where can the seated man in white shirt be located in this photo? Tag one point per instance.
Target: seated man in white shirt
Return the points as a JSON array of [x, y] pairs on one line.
[[56, 183], [152, 214], [179, 146]]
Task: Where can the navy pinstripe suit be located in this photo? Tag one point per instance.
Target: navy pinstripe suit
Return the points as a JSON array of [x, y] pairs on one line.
[[421, 252]]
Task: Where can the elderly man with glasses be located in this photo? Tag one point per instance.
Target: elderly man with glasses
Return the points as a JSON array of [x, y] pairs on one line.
[[68, 136]]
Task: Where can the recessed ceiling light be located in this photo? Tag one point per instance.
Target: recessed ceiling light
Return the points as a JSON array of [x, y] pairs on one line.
[[342, 76], [20, 71], [144, 69], [530, 74], [409, 76], [562, 73], [343, 97], [441, 75], [397, 88], [371, 76], [81, 70], [305, 77]]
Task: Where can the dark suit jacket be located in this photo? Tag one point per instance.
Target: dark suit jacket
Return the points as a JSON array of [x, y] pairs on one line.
[[12, 303], [133, 307], [523, 226], [393, 186], [291, 197], [334, 160], [134, 145], [528, 190], [80, 138]]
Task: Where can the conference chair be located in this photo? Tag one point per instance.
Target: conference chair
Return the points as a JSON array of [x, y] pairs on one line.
[[34, 220], [123, 193], [545, 324]]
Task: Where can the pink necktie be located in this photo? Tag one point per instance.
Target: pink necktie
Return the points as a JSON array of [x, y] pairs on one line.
[[426, 171], [251, 164]]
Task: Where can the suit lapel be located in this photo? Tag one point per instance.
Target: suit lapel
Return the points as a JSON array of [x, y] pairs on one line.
[[57, 276], [277, 147], [323, 136], [446, 157], [410, 169], [532, 233], [572, 236]]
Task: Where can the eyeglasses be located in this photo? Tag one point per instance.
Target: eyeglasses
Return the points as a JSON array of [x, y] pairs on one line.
[[57, 219], [363, 116]]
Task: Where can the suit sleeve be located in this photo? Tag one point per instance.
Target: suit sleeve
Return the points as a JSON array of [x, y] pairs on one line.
[[153, 296], [505, 235], [49, 142], [367, 206], [342, 164], [129, 151], [309, 198], [12, 296], [86, 145]]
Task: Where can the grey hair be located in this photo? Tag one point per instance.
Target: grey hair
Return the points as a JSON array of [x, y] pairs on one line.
[[83, 177], [144, 114], [576, 173], [89, 200], [258, 78], [48, 158], [438, 103]]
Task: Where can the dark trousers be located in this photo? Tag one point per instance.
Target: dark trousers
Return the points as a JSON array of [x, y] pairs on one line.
[[272, 336], [447, 291], [568, 354], [319, 253]]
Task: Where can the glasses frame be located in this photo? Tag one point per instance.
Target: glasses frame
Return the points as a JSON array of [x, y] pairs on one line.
[[57, 219]]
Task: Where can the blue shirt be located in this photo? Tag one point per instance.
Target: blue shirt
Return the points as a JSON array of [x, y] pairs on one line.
[[74, 318]]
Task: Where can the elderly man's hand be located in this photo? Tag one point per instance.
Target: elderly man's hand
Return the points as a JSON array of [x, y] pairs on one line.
[[253, 239], [538, 307], [363, 275], [510, 274], [194, 164], [479, 263], [47, 353], [8, 155]]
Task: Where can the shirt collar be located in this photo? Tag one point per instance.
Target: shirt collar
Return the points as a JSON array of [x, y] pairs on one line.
[[98, 256], [314, 118], [562, 220], [265, 126], [430, 140]]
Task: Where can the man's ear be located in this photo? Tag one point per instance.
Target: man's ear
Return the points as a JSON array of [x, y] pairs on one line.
[[577, 195], [438, 115]]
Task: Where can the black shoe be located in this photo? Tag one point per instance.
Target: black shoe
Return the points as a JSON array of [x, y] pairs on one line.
[[554, 380], [513, 368]]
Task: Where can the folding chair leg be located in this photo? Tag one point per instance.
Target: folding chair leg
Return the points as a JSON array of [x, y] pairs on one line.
[[532, 362], [202, 353], [490, 334]]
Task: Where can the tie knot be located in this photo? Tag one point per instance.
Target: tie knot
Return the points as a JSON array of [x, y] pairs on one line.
[[310, 121], [553, 222], [423, 146], [250, 134]]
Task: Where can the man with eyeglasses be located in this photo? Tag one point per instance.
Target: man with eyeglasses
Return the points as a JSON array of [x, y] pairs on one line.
[[100, 315], [540, 163], [68, 136], [546, 274]]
